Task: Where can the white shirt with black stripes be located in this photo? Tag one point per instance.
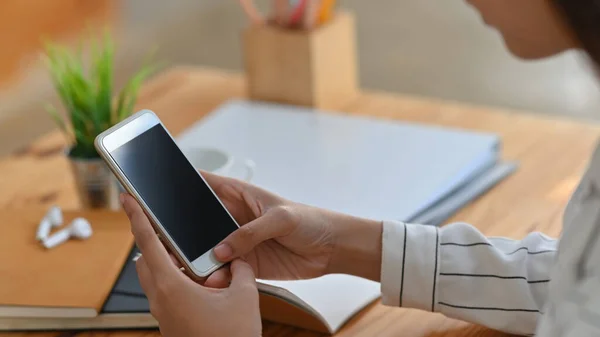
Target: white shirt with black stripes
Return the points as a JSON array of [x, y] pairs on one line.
[[534, 286]]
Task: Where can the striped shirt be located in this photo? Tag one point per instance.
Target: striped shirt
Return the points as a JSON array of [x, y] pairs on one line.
[[533, 286]]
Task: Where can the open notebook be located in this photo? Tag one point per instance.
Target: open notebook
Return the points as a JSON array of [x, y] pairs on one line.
[[323, 304], [331, 299]]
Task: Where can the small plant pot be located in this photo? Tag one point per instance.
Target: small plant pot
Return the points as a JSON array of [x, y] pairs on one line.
[[96, 185]]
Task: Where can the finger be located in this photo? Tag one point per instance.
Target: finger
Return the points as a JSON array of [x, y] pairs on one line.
[[275, 223], [225, 186], [215, 181], [154, 252], [173, 258], [219, 279], [145, 277], [175, 261], [242, 276]]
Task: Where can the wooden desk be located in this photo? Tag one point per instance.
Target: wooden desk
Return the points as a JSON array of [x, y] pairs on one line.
[[552, 154]]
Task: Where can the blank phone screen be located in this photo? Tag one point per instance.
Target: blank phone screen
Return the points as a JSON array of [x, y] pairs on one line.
[[173, 190]]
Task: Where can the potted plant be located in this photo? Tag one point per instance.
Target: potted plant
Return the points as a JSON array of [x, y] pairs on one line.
[[90, 108]]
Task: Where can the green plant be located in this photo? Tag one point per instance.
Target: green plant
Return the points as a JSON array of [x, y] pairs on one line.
[[87, 95]]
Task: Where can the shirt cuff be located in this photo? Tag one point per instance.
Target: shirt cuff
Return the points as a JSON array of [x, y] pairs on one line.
[[409, 270]]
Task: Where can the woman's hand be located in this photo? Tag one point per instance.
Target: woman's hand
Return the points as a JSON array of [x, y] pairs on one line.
[[181, 306], [281, 239]]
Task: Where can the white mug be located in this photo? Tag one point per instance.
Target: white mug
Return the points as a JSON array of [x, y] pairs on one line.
[[217, 161]]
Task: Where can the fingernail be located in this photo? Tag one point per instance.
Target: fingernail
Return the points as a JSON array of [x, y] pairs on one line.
[[122, 198], [223, 251]]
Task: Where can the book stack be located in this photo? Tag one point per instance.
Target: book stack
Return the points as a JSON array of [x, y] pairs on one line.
[[378, 169], [71, 281]]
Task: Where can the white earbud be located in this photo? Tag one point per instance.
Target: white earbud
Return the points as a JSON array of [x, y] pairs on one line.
[[80, 228], [53, 218]]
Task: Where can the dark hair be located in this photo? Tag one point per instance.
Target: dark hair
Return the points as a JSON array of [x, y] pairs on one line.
[[583, 16]]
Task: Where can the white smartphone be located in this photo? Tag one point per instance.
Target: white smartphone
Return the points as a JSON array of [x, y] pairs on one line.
[[184, 211]]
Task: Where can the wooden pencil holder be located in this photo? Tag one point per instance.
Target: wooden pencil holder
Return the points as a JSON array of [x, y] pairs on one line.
[[314, 68]]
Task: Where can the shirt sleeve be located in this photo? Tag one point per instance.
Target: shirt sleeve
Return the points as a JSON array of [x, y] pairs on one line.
[[457, 271], [579, 314]]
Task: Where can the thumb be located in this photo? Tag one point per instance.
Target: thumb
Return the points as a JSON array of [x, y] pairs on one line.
[[275, 223], [242, 276]]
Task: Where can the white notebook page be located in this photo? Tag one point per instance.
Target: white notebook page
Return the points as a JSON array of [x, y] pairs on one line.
[[335, 298]]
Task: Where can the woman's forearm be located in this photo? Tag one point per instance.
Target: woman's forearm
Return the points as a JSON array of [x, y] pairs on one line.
[[357, 246]]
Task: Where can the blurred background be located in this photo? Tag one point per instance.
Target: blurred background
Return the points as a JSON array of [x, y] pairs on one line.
[[435, 48]]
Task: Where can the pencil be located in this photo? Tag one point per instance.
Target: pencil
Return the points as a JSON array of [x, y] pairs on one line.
[[251, 11], [311, 12], [326, 10], [281, 8], [297, 13]]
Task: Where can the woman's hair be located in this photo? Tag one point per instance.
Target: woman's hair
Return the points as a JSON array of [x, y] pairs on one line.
[[583, 16]]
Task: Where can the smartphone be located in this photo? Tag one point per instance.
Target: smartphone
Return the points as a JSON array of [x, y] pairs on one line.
[[185, 212]]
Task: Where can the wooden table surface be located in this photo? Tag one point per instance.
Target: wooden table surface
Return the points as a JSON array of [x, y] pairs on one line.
[[552, 154]]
